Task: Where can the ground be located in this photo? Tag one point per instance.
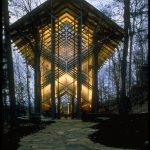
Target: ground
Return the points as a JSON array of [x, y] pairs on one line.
[[65, 134]]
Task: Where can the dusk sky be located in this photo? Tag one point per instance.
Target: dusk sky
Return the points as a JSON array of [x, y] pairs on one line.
[[96, 3]]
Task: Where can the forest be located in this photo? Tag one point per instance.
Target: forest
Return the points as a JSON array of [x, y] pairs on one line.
[[122, 79]]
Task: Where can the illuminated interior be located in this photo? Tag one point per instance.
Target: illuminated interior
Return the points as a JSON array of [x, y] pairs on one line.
[[66, 53]]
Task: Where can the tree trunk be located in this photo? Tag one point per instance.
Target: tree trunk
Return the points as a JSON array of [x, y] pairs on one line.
[[10, 65], [28, 90], [123, 102], [115, 76], [130, 56], [131, 31]]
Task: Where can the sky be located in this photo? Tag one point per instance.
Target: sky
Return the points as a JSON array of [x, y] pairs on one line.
[[96, 3]]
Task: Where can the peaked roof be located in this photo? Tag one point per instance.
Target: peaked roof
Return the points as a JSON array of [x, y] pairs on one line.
[[58, 7], [99, 23]]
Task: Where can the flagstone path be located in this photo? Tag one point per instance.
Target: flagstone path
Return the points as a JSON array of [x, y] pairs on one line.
[[65, 134]]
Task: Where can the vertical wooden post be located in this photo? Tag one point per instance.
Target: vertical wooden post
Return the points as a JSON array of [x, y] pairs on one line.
[[53, 67], [88, 65], [58, 108], [37, 73], [58, 94], [72, 108], [73, 96], [95, 100], [78, 108]]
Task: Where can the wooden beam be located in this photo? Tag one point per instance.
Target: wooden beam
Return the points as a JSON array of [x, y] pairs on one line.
[[53, 68], [37, 74], [79, 61], [95, 100]]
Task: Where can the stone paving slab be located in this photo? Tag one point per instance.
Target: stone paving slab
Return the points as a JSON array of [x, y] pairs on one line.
[[65, 134]]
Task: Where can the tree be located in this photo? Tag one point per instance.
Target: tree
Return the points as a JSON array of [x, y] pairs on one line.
[[28, 86], [7, 46], [116, 69], [131, 33], [23, 7], [19, 8], [127, 63], [123, 101]]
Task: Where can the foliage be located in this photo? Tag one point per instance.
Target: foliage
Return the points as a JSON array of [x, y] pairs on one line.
[[137, 51]]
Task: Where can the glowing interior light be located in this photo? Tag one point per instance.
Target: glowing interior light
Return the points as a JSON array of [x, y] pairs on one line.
[[68, 26]]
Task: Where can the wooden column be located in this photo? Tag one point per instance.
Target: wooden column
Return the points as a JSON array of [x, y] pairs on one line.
[[74, 55], [58, 94], [72, 108], [53, 68], [78, 107], [37, 73], [95, 100]]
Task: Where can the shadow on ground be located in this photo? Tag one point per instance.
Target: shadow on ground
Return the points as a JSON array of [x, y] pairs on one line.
[[122, 132], [77, 147], [11, 138]]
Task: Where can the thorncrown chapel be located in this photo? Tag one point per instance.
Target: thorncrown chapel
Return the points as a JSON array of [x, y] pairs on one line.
[[66, 42]]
